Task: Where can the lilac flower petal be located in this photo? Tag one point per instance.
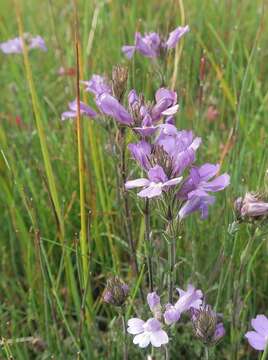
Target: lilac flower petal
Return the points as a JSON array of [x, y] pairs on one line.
[[157, 174], [153, 300], [256, 340], [128, 51], [143, 339], [175, 36], [219, 332], [171, 315], [173, 182], [37, 42], [135, 326], [140, 153], [12, 46], [152, 325], [137, 183], [111, 107], [260, 324], [159, 338], [149, 45], [133, 97], [218, 184], [207, 171], [171, 111], [97, 85], [190, 298], [68, 115], [145, 131], [151, 191]]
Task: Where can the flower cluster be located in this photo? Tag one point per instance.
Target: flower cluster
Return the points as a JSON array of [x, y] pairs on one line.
[[15, 46], [165, 161], [151, 45], [151, 331]]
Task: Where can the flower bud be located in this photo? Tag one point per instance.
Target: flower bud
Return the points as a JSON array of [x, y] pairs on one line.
[[119, 81], [251, 207], [115, 292], [205, 325]]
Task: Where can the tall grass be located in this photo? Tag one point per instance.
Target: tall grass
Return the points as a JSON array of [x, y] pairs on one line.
[[59, 243]]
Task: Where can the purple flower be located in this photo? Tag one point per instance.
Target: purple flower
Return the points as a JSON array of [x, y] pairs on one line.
[[196, 187], [72, 112], [111, 106], [258, 339], [157, 182], [15, 46], [150, 45], [149, 332], [180, 146], [175, 36], [166, 103], [97, 85], [189, 299]]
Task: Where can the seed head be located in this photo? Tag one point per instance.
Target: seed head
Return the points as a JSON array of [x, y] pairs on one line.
[[119, 81], [205, 325], [115, 292]]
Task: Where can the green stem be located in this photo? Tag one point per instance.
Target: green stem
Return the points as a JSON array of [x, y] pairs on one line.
[[171, 258], [206, 353], [148, 245], [124, 325], [265, 353]]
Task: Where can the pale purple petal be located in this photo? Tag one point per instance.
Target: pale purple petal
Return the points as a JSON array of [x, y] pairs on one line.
[[171, 111], [152, 325], [151, 191], [153, 300], [157, 174], [171, 315], [143, 339], [137, 183], [218, 184], [207, 171], [173, 182], [219, 332], [112, 107], [256, 340], [141, 152], [68, 115], [97, 85], [37, 42], [191, 298], [128, 51], [159, 338], [260, 324], [175, 36], [135, 326]]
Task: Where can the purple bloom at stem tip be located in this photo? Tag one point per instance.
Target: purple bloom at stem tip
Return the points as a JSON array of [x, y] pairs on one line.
[[189, 299], [196, 187], [156, 183], [149, 332], [111, 106], [97, 85], [72, 112], [258, 339], [15, 46], [150, 45]]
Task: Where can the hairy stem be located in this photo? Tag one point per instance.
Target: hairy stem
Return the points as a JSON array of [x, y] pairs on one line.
[[124, 325], [148, 245], [206, 353]]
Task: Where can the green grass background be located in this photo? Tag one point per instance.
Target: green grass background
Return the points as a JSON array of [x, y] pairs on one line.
[[41, 261]]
